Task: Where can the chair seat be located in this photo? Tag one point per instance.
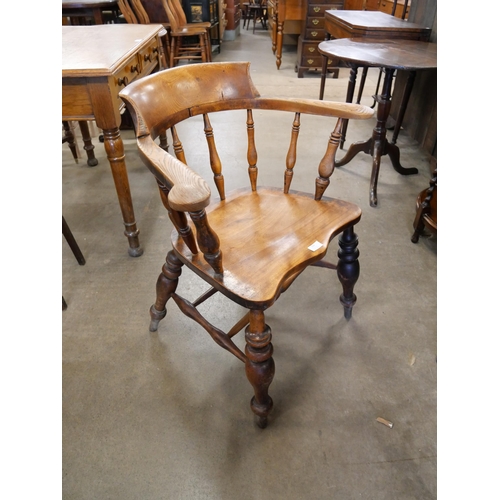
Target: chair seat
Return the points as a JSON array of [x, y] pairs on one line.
[[267, 239]]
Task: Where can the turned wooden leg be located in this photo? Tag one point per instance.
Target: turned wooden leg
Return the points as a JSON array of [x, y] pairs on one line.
[[259, 365], [348, 269], [350, 94], [69, 137], [113, 144], [165, 287], [87, 144]]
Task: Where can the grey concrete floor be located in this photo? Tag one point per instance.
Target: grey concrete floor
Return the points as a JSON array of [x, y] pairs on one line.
[[167, 416]]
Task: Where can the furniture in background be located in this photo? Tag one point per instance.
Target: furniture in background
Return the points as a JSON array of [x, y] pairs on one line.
[[134, 13], [205, 11], [369, 25], [68, 235], [252, 243], [186, 42], [97, 62], [426, 217], [257, 12], [285, 17], [90, 11], [390, 55], [313, 32], [69, 137]]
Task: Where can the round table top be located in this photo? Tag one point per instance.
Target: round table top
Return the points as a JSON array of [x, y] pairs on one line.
[[396, 54]]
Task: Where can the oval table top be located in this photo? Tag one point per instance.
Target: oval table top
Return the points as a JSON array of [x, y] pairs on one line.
[[396, 54]]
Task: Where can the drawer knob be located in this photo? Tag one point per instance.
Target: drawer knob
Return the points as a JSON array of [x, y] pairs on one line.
[[310, 61], [134, 69], [155, 50], [147, 57], [315, 21], [311, 49], [316, 9], [123, 81], [314, 33]]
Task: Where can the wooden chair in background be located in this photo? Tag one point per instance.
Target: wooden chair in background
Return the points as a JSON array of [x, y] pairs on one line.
[[426, 217], [187, 42], [252, 243], [134, 13]]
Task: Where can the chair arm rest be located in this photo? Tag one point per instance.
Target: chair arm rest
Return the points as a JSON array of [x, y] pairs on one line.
[[188, 192], [317, 107]]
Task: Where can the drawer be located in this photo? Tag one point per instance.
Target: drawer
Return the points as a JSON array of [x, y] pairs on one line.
[[315, 22], [319, 10], [312, 34], [310, 49], [315, 62]]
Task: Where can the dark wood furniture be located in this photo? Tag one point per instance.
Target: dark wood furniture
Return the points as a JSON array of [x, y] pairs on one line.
[[390, 55], [78, 11], [252, 243], [426, 216], [97, 62], [313, 32], [369, 24], [205, 11], [256, 12], [285, 17], [68, 235]]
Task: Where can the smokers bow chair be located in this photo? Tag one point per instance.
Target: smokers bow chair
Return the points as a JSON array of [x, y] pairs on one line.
[[252, 243]]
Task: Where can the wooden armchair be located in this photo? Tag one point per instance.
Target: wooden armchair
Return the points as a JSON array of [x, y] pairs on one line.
[[252, 243], [426, 216]]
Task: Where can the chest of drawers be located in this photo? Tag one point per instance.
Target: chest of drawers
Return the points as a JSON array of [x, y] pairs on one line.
[[313, 32]]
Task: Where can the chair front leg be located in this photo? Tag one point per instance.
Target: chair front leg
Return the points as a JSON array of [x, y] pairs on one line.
[[165, 287], [348, 269], [259, 365]]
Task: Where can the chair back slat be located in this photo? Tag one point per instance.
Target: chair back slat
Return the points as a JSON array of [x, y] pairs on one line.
[[327, 163], [215, 162], [251, 151], [178, 149], [291, 156]]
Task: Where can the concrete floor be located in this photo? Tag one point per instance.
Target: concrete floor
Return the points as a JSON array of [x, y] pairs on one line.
[[166, 415]]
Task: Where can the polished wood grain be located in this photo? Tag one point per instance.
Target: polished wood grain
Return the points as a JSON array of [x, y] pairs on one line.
[[97, 62], [426, 216], [252, 243]]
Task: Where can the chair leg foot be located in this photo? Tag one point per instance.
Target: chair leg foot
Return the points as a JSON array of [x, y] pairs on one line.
[[348, 269], [259, 365]]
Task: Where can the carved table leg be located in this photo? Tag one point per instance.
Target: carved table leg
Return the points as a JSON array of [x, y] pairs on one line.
[[165, 287], [279, 44], [113, 145], [378, 145], [350, 94], [88, 146], [348, 269], [70, 139], [259, 365], [404, 105]]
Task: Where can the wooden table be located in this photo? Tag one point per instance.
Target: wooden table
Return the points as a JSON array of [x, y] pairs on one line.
[[97, 62], [368, 24], [88, 8], [391, 55]]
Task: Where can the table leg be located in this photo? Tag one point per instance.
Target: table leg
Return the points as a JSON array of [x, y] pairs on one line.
[[97, 13], [404, 105], [378, 145], [350, 94], [87, 144], [279, 44], [113, 145]]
